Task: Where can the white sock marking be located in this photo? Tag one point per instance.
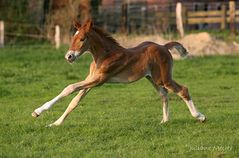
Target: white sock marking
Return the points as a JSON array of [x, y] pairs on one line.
[[165, 112], [47, 105], [192, 108]]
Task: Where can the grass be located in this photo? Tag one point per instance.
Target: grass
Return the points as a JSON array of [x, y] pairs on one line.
[[115, 120]]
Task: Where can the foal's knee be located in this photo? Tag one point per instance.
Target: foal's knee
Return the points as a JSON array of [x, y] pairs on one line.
[[68, 90]]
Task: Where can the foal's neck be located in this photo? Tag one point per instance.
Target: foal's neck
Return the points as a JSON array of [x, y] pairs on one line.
[[102, 46]]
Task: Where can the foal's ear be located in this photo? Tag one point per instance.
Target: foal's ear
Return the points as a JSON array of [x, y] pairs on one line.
[[76, 24], [88, 25]]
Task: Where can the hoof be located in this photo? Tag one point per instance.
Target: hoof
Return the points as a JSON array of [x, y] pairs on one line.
[[164, 121], [202, 118], [34, 114], [50, 125], [56, 123]]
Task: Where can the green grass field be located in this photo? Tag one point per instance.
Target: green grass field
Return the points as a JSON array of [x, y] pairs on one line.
[[115, 120]]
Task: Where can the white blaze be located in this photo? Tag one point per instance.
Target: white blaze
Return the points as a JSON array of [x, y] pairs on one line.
[[76, 33]]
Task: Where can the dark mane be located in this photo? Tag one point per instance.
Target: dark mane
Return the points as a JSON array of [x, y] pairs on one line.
[[105, 35]]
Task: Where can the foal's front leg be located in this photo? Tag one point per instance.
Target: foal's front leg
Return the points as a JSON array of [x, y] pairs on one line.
[[88, 83], [71, 106]]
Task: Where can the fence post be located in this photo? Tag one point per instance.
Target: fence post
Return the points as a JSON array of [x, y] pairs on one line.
[[1, 33], [232, 17], [179, 20], [224, 16], [57, 36]]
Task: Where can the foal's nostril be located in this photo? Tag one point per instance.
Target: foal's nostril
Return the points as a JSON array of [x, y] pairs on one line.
[[70, 56]]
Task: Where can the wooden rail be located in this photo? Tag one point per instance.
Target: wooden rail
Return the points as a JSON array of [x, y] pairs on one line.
[[209, 13], [3, 33], [209, 20], [25, 35]]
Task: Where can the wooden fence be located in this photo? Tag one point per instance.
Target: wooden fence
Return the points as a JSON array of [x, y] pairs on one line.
[[215, 16], [3, 34], [222, 17], [130, 17], [183, 18], [180, 15]]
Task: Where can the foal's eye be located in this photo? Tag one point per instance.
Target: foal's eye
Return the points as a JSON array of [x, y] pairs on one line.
[[81, 39]]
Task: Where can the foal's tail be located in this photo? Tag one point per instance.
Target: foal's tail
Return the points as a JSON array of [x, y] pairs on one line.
[[179, 47]]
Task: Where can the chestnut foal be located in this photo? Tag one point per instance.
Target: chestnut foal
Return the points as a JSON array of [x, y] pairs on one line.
[[114, 64]]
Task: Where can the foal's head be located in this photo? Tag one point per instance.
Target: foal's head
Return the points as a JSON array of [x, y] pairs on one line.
[[80, 42]]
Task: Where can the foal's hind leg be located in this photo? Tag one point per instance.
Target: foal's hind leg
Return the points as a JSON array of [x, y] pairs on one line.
[[164, 94], [182, 92]]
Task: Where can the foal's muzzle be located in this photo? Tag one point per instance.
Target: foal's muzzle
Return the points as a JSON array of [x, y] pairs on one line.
[[71, 56]]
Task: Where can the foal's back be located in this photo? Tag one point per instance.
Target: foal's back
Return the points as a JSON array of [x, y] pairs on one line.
[[150, 48], [146, 59], [151, 53]]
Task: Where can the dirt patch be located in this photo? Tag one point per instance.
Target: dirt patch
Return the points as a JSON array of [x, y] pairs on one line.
[[199, 44]]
